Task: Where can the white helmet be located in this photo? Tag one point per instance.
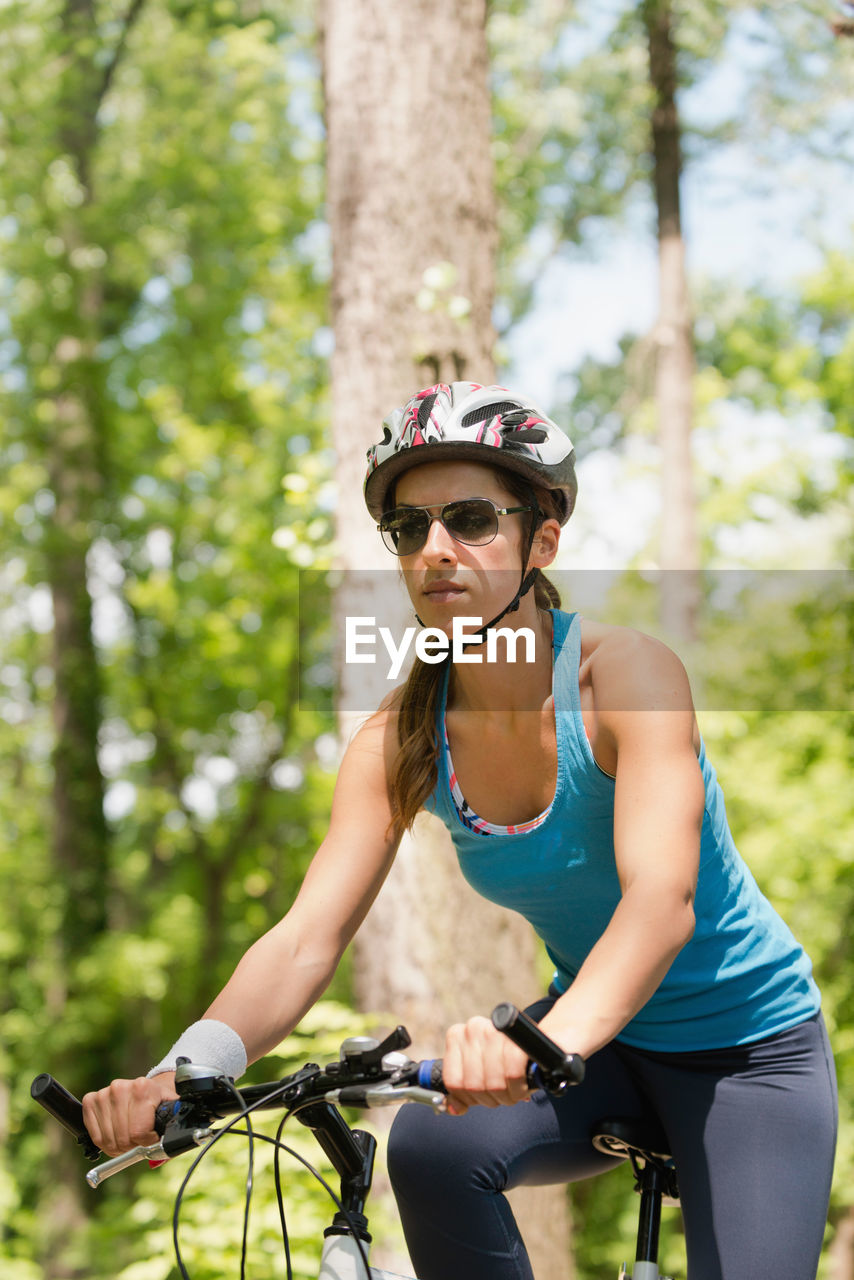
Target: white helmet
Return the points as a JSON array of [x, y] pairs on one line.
[[477, 424]]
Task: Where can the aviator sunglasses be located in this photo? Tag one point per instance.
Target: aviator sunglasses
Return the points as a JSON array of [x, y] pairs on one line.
[[473, 521]]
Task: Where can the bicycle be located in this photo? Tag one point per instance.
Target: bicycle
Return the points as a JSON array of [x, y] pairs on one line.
[[367, 1074]]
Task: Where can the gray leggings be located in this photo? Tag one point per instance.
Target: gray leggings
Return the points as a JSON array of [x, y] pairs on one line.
[[752, 1131]]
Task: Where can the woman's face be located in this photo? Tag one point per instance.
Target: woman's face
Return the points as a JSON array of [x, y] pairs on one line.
[[446, 578]]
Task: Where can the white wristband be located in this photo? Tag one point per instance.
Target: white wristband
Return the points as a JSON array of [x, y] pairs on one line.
[[207, 1043]]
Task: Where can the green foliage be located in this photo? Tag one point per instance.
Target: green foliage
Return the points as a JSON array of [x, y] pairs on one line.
[[164, 272], [572, 104], [164, 269], [825, 299], [570, 133], [131, 1238]]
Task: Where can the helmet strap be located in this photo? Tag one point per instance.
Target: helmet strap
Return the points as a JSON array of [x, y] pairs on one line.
[[528, 580]]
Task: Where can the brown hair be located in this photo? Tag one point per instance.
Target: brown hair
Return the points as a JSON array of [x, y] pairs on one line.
[[415, 768]]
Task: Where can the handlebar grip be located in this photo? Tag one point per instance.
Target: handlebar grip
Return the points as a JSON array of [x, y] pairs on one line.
[[558, 1069], [164, 1113], [65, 1108], [430, 1075]]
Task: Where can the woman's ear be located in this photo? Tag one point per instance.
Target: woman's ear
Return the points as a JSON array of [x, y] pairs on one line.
[[545, 545]]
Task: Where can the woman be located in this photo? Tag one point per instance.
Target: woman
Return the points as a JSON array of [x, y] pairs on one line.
[[595, 813]]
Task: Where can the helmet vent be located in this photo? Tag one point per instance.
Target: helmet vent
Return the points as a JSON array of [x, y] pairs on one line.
[[489, 411], [524, 435], [425, 409]]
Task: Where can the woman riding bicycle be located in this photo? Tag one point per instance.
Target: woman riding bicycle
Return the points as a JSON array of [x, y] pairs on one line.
[[577, 791]]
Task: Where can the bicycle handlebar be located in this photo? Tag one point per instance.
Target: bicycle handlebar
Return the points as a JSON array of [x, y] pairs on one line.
[[557, 1069], [366, 1075], [65, 1108]]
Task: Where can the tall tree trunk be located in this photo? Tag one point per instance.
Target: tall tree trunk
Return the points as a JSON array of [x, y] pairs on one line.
[[412, 213], [80, 833], [673, 338], [841, 1249], [73, 455], [74, 452]]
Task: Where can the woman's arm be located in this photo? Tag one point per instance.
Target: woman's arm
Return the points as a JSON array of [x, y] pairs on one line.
[[645, 715], [285, 971]]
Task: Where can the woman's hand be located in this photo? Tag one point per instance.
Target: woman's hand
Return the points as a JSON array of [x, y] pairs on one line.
[[481, 1067], [122, 1115]]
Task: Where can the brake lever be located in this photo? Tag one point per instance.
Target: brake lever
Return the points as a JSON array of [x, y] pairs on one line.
[[108, 1168], [385, 1095], [173, 1120], [168, 1146]]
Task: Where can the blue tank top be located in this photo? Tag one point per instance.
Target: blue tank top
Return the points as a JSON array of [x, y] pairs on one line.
[[742, 976]]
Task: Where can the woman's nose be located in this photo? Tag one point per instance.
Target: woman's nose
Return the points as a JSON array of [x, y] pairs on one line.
[[440, 547]]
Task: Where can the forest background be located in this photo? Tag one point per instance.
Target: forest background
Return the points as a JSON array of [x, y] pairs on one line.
[[174, 228]]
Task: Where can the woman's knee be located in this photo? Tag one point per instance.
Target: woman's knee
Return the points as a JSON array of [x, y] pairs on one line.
[[415, 1148], [447, 1156]]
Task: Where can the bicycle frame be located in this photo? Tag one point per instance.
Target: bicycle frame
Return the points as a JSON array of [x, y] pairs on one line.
[[341, 1260]]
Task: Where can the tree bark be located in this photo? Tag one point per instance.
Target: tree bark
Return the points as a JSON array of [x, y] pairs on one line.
[[73, 451], [673, 338], [841, 1250], [80, 833], [412, 214]]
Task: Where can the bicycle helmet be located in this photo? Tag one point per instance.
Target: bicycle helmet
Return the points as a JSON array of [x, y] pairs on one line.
[[473, 423], [477, 424]]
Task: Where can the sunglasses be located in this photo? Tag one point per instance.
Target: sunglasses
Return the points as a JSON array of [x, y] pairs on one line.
[[473, 521]]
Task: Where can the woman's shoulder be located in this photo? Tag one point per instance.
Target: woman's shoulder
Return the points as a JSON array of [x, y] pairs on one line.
[[610, 639], [636, 669], [377, 735]]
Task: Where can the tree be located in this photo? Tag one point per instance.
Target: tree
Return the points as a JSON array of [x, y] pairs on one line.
[[71, 451], [162, 292], [412, 215], [597, 123], [672, 337]]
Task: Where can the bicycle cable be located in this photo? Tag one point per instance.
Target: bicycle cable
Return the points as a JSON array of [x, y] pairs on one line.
[[349, 1219], [280, 1146], [283, 1147], [250, 1182], [243, 1114]]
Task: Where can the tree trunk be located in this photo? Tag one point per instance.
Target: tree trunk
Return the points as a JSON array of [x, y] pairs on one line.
[[80, 833], [841, 1250], [411, 208], [673, 339], [73, 455], [79, 830]]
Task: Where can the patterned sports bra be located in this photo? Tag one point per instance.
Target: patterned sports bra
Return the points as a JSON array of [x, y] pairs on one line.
[[467, 815]]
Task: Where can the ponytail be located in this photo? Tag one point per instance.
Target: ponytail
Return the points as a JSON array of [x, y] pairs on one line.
[[415, 768]]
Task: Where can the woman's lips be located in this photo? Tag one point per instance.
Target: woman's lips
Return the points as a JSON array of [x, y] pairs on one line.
[[443, 592]]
